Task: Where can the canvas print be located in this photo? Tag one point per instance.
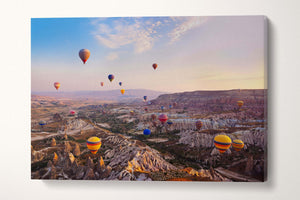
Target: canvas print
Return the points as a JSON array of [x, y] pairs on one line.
[[149, 98]]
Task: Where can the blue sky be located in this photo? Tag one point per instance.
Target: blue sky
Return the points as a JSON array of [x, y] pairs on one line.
[[192, 53]]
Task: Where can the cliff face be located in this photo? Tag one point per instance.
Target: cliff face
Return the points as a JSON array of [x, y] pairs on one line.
[[216, 101]]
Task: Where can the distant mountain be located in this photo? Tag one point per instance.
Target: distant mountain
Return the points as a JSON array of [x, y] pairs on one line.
[[110, 95]]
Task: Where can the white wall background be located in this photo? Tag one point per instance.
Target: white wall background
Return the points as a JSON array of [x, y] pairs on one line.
[[284, 37]]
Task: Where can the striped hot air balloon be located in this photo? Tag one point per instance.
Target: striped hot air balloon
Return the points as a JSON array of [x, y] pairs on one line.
[[237, 145], [222, 143], [93, 144]]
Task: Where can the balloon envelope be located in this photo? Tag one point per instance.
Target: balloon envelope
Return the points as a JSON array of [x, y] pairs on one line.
[[153, 116], [169, 122], [199, 124], [120, 83], [42, 123], [147, 132], [222, 143], [84, 55], [122, 91], [57, 85], [145, 98], [237, 145], [111, 77], [72, 112], [163, 118], [154, 66], [102, 84], [240, 103], [93, 144]]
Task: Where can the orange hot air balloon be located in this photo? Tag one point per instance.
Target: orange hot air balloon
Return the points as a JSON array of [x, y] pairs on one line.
[[154, 66], [122, 91], [199, 124], [57, 85], [240, 103], [84, 55], [102, 84]]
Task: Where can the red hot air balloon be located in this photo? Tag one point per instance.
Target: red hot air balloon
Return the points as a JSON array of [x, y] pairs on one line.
[[102, 84], [84, 55], [154, 66], [72, 112], [163, 118], [57, 85]]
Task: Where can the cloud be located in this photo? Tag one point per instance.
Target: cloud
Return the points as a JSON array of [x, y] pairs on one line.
[[112, 56], [184, 25], [122, 33]]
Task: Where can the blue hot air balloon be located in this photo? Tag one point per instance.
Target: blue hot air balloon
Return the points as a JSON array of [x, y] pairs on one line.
[[145, 98], [147, 132], [120, 83], [170, 106], [111, 77], [162, 108]]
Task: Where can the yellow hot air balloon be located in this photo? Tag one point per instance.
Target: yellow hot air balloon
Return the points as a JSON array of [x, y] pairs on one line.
[[240, 103], [222, 143], [238, 145], [122, 91], [93, 144]]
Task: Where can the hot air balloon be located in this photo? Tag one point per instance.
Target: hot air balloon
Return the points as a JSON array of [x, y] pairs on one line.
[[199, 124], [111, 77], [162, 108], [240, 103], [122, 91], [57, 85], [131, 112], [147, 132], [154, 66], [222, 143], [169, 122], [102, 84], [120, 83], [146, 109], [153, 116], [93, 144], [163, 118], [84, 55], [174, 104], [42, 123], [170, 106], [145, 98], [149, 103], [237, 145], [72, 112]]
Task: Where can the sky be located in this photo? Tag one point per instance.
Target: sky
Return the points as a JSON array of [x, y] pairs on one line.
[[192, 53]]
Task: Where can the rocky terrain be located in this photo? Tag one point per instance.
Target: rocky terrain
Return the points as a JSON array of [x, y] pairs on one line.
[[177, 152]]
